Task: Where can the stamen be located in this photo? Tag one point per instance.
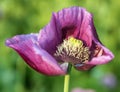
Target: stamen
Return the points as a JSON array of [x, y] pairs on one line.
[[73, 50]]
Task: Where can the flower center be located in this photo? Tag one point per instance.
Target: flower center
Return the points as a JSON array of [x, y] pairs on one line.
[[73, 50]]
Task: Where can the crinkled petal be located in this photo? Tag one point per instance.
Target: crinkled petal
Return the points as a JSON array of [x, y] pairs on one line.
[[69, 17], [37, 58], [69, 20]]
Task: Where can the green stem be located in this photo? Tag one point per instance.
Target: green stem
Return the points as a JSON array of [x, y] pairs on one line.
[[67, 78], [66, 82]]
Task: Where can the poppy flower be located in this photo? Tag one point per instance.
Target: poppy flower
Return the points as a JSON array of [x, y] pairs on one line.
[[70, 37]]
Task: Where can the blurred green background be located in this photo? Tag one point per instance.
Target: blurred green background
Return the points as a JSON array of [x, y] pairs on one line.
[[26, 16]]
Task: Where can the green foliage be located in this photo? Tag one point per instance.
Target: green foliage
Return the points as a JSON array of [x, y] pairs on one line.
[[26, 16]]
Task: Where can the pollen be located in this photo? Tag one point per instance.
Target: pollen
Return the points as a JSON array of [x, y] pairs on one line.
[[73, 50]]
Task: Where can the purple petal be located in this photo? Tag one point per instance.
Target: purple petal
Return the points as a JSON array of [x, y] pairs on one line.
[[50, 36], [29, 49], [86, 29], [106, 57], [69, 17], [69, 20]]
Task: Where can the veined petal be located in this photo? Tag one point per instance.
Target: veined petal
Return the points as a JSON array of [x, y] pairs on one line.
[[68, 17], [69, 20], [28, 48], [86, 29]]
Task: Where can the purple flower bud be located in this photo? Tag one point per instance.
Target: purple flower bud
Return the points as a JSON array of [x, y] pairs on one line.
[[70, 37]]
